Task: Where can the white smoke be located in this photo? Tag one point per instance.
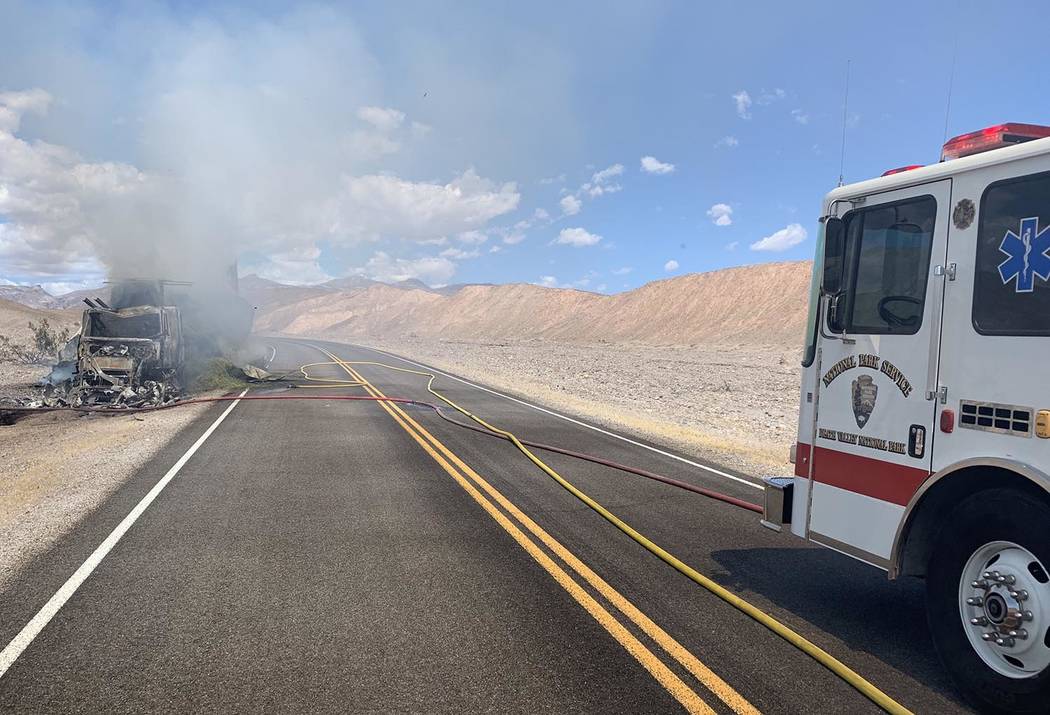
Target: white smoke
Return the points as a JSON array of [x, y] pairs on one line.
[[259, 139]]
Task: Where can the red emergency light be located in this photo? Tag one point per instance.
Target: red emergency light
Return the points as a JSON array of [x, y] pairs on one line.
[[902, 169], [992, 138]]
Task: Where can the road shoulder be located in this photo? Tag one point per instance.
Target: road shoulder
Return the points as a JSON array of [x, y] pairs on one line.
[[60, 467]]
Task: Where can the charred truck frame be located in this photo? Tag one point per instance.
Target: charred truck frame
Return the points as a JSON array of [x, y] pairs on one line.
[[124, 352]]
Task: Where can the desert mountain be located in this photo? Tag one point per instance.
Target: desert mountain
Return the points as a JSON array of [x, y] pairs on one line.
[[31, 296], [15, 319], [37, 297], [76, 298], [263, 293], [760, 304], [763, 304]]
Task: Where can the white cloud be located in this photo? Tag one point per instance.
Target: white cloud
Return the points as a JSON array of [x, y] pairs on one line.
[[458, 254], [420, 130], [472, 237], [262, 158], [622, 271], [596, 190], [383, 205], [559, 179], [732, 246], [541, 214], [671, 265], [721, 214], [66, 218], [512, 235], [380, 140], [577, 237], [601, 183], [769, 96], [548, 281], [431, 270], [604, 175], [791, 235], [570, 205], [294, 267], [651, 165], [743, 104], [383, 119], [14, 104], [728, 142], [55, 204], [799, 116]]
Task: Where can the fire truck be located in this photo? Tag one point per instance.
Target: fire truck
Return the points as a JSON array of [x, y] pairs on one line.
[[924, 423]]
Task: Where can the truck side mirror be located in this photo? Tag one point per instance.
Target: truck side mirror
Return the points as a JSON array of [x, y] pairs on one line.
[[834, 255]]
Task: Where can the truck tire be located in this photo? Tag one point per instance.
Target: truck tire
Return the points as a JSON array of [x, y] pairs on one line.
[[988, 600]]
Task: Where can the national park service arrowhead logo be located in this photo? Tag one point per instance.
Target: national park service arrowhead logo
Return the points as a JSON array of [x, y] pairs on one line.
[[864, 393]]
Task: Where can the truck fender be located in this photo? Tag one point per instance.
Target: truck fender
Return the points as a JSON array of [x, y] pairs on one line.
[[944, 488]]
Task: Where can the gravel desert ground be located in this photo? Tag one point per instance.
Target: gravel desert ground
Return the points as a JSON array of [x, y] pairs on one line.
[[732, 404]]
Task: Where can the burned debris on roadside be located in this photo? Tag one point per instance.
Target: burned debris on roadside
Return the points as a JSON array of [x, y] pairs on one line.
[[133, 353]]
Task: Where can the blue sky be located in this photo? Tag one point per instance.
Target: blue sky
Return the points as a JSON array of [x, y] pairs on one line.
[[472, 142]]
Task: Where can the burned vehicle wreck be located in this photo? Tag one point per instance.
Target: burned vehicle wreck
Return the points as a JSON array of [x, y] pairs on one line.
[[146, 344], [128, 356]]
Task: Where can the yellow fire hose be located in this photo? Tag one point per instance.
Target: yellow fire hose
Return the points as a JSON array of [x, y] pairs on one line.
[[829, 661]]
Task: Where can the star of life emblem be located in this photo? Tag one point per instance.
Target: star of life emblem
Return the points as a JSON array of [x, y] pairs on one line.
[[864, 393], [1026, 251]]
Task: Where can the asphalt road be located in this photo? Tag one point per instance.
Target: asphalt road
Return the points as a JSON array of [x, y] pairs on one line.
[[328, 556]]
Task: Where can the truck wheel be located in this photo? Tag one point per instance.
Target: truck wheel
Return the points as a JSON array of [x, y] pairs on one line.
[[988, 600]]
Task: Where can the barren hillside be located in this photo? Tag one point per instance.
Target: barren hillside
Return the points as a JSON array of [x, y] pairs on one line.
[[762, 304], [15, 319], [33, 296]]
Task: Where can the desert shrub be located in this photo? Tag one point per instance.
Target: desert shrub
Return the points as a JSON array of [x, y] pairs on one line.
[[214, 374], [42, 348]]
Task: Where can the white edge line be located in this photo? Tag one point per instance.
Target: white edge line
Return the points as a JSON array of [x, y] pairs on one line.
[[575, 421], [32, 629]]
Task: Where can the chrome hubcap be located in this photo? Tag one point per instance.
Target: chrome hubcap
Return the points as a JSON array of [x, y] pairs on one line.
[[1004, 603]]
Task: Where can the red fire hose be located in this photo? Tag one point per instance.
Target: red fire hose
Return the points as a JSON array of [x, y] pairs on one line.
[[718, 496]]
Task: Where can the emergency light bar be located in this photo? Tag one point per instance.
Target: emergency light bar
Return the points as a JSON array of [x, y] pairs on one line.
[[902, 169], [991, 138]]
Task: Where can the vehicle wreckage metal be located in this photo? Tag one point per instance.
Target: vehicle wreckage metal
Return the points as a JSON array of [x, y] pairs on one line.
[[133, 353], [124, 357]]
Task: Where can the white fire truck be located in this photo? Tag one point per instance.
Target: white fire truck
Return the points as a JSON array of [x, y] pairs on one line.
[[924, 431]]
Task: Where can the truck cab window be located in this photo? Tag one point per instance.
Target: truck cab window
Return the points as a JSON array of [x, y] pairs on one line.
[[888, 260], [114, 325], [1011, 288]]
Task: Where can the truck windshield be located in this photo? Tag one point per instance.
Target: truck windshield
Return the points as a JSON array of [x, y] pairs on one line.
[[810, 350], [113, 325]]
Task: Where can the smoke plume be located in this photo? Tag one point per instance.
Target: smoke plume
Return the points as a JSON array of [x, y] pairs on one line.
[[212, 139]]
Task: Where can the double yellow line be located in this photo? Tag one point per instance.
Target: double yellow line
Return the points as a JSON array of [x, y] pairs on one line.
[[474, 485]]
